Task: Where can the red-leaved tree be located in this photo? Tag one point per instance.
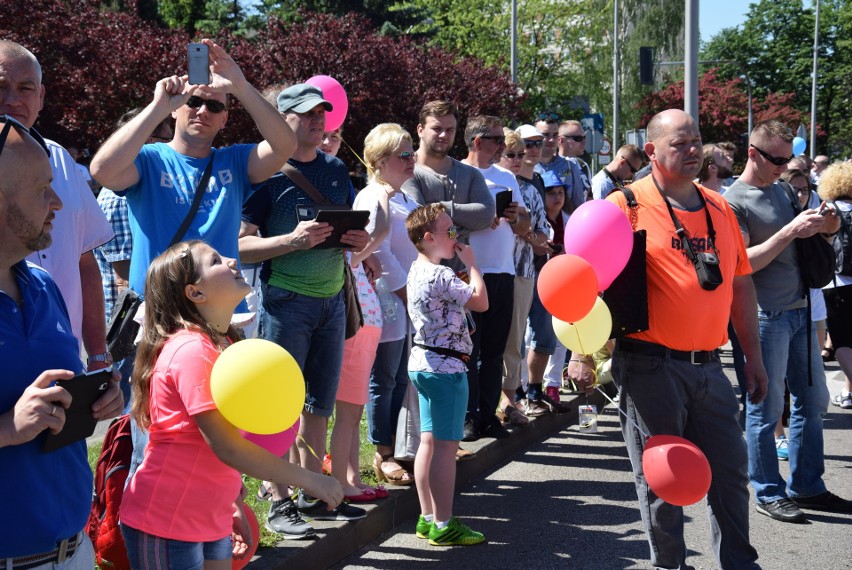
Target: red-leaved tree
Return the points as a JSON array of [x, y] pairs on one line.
[[98, 64]]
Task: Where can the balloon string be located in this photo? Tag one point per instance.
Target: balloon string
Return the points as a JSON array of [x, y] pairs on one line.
[[308, 445], [358, 156], [617, 407]]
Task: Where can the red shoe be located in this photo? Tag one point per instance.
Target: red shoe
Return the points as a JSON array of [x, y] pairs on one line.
[[552, 393], [326, 464]]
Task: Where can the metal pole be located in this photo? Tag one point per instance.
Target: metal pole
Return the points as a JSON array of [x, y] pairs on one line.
[[514, 49], [616, 89], [690, 82], [814, 85]]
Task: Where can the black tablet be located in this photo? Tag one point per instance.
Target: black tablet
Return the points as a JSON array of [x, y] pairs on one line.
[[502, 201], [79, 422], [341, 222]]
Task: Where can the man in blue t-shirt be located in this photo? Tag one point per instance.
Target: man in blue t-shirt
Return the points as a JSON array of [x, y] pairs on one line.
[[303, 307], [37, 348], [160, 180]]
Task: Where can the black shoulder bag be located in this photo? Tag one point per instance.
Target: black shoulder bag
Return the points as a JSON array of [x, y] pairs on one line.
[[816, 258], [122, 327], [627, 296]]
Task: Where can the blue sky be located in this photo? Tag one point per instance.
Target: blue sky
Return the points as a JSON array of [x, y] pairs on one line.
[[713, 15]]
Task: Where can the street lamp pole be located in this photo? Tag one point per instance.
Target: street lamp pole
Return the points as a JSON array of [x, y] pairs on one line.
[[616, 89], [690, 93], [814, 85]]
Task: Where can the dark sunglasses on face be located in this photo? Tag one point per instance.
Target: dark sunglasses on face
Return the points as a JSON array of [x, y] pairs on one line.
[[776, 160], [514, 155], [548, 116], [498, 139], [575, 138], [630, 166], [406, 156], [213, 106], [533, 144], [10, 122]]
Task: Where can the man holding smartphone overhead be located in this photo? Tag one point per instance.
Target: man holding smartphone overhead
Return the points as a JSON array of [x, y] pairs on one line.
[[160, 180]]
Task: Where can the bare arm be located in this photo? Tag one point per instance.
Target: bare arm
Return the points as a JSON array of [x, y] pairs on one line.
[[804, 225], [94, 324], [744, 318], [479, 300], [254, 249]]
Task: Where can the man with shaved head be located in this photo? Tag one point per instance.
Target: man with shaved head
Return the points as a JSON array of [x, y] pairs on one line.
[[670, 377], [37, 348]]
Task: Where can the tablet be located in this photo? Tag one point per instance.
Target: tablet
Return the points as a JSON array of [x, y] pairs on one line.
[[341, 222], [502, 201], [79, 422]]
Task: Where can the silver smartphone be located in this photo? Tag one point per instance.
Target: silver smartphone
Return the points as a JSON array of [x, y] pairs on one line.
[[198, 64]]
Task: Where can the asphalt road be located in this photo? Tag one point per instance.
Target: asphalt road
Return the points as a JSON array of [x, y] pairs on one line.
[[569, 502]]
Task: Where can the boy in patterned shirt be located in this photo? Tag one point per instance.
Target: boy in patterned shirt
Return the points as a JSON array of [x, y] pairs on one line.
[[437, 299]]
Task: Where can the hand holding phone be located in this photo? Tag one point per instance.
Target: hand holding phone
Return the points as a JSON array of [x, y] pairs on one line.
[[85, 389], [502, 201], [198, 64]]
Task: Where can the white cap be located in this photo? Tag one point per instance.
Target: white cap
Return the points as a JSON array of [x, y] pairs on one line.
[[528, 132]]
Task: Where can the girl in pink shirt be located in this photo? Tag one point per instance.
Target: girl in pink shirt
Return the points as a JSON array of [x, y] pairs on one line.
[[178, 509]]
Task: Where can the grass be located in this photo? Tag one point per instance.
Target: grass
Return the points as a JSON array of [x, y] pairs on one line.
[[261, 508]]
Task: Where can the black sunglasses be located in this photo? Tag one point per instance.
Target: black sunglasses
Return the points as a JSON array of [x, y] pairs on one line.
[[575, 138], [776, 160], [630, 166], [498, 139], [548, 116], [12, 122], [212, 105], [533, 144], [514, 155]]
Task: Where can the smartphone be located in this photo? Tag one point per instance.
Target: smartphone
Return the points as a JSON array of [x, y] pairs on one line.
[[79, 422], [502, 201], [824, 209], [198, 64]]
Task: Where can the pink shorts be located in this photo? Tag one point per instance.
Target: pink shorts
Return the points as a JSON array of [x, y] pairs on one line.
[[359, 352]]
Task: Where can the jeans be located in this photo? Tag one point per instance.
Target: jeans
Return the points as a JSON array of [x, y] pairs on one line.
[[784, 337], [312, 330], [485, 368], [150, 551], [388, 383], [673, 397]]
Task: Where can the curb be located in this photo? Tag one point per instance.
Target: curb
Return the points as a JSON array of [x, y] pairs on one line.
[[337, 540]]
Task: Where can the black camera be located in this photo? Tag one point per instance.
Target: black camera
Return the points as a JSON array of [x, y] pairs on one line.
[[707, 267]]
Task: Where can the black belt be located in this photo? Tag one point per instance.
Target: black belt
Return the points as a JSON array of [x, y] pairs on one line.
[[64, 549], [445, 352], [651, 349]]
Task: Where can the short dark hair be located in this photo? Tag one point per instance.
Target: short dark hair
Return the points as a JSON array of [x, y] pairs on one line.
[[438, 108]]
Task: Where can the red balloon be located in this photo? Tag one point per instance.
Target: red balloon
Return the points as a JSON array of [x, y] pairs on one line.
[[568, 287], [676, 470], [275, 443], [255, 539]]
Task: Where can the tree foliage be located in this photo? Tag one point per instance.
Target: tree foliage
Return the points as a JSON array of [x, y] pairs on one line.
[[100, 63], [775, 46]]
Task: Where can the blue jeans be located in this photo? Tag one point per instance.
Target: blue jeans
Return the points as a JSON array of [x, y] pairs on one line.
[[674, 397], [150, 551], [388, 383], [311, 329], [783, 339]]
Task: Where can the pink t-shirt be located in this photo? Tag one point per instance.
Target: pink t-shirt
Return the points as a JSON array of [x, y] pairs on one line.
[[182, 490]]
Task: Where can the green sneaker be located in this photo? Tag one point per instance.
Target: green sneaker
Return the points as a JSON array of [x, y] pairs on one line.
[[423, 527], [455, 533]]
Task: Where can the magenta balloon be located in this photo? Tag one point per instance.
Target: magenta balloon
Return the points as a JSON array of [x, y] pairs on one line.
[[599, 232], [275, 443], [333, 92]]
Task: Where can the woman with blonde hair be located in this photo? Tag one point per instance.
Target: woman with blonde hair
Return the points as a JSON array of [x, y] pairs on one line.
[[835, 186]]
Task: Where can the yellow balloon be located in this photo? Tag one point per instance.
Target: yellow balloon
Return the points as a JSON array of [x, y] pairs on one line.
[[258, 386], [588, 334]]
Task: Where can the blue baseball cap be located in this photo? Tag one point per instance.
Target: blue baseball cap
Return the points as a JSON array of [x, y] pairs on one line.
[[551, 179]]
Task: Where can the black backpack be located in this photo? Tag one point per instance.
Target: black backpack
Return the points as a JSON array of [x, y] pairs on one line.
[[843, 243]]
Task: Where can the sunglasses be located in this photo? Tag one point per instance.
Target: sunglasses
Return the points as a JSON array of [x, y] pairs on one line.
[[514, 155], [533, 144], [776, 160], [212, 105], [498, 139], [548, 116], [407, 156], [630, 166], [575, 138], [11, 122]]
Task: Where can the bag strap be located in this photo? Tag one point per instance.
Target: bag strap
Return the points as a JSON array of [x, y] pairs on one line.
[[304, 184], [632, 204], [196, 201]]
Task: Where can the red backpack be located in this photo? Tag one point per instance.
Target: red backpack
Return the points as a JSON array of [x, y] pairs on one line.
[[110, 475]]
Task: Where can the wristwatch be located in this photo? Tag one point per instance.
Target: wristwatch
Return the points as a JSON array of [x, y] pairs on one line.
[[104, 357]]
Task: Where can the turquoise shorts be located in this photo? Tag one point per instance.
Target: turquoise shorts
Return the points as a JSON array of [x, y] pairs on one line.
[[443, 403]]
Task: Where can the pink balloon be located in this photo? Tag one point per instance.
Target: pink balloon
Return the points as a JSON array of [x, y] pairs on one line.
[[275, 443], [333, 92], [599, 232]]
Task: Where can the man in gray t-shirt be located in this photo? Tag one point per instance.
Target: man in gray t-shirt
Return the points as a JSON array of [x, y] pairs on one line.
[[770, 226]]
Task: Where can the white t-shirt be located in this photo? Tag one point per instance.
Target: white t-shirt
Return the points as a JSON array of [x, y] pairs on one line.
[[80, 226], [494, 249]]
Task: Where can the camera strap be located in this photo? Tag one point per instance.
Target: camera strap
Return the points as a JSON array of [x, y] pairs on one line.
[[200, 190], [679, 229]]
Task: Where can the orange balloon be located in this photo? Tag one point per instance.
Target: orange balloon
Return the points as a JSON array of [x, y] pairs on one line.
[[676, 470], [568, 287]]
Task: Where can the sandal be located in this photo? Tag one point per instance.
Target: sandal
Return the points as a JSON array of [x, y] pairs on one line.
[[397, 477], [263, 492], [843, 400]]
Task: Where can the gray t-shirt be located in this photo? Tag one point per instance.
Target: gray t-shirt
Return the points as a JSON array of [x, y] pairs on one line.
[[762, 212]]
